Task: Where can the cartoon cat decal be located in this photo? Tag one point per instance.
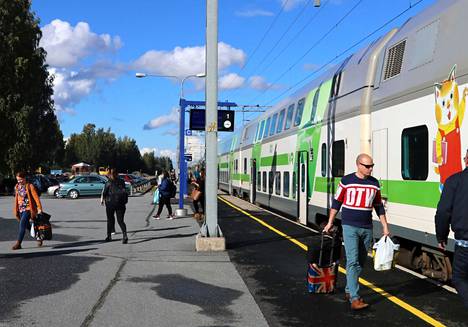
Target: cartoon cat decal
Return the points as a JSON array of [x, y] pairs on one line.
[[449, 112]]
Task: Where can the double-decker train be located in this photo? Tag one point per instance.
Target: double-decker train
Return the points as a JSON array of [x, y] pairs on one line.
[[401, 99]]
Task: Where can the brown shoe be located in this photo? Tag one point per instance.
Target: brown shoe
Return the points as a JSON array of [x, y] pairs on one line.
[[39, 243], [359, 304], [17, 246]]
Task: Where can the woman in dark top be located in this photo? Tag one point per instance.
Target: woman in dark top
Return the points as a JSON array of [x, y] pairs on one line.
[[200, 185], [164, 196], [115, 197]]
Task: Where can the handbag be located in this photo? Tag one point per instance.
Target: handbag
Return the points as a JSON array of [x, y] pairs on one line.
[[32, 232], [196, 194]]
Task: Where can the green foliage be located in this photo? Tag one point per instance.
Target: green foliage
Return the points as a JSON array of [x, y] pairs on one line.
[[102, 149], [29, 131]]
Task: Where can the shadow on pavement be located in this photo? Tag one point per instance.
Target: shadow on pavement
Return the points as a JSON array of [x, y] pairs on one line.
[[214, 301], [143, 240], [25, 276], [235, 245], [78, 244]]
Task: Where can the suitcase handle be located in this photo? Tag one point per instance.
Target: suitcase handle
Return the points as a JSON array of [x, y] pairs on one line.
[[321, 250]]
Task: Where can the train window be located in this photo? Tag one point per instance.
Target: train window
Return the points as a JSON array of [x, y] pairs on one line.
[[294, 185], [314, 106], [273, 124], [286, 184], [262, 128], [256, 132], [289, 117], [278, 183], [279, 129], [415, 153], [300, 109], [267, 127], [270, 182], [259, 180], [245, 165], [324, 159], [264, 181], [303, 177], [338, 158], [236, 165]]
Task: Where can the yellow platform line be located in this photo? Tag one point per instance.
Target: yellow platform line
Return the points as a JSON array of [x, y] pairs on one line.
[[418, 313]]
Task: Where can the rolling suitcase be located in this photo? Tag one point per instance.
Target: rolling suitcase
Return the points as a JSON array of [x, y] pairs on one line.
[[322, 265]]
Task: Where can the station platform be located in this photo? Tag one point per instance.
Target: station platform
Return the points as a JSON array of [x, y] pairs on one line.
[[269, 252], [159, 279]]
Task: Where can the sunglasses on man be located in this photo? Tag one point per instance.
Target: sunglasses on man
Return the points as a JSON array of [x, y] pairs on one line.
[[367, 166]]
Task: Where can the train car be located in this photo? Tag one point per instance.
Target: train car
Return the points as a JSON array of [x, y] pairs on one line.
[[401, 99]]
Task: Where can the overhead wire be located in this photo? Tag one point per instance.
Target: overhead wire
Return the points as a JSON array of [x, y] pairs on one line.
[[249, 58], [311, 48], [346, 50], [269, 52]]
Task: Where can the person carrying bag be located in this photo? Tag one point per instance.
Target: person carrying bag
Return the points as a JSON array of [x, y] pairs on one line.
[[26, 207]]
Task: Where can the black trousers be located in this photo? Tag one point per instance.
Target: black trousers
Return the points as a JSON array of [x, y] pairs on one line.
[[460, 272], [164, 201], [201, 202], [111, 213]]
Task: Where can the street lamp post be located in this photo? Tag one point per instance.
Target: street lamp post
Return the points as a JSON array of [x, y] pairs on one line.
[[181, 212]]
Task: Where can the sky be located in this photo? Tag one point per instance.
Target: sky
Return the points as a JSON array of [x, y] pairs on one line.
[[95, 47]]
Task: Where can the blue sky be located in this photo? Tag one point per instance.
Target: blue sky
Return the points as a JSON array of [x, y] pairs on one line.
[[95, 47]]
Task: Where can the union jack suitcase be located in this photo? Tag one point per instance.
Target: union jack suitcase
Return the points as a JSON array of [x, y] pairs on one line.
[[321, 278]]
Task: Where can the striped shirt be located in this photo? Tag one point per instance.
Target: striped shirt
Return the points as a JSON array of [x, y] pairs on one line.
[[357, 197]]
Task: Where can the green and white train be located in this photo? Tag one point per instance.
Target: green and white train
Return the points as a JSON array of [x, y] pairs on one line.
[[401, 99]]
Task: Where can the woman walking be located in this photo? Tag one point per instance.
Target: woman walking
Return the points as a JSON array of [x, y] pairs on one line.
[[26, 207], [115, 197], [165, 196], [199, 200]]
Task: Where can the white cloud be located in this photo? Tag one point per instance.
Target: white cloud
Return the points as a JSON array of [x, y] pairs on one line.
[[147, 150], [291, 4], [231, 81], [259, 83], [310, 67], [254, 13], [171, 118], [186, 61], [167, 153], [172, 132], [67, 45], [69, 89]]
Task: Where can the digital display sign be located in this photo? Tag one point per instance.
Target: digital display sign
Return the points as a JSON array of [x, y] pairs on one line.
[[225, 120]]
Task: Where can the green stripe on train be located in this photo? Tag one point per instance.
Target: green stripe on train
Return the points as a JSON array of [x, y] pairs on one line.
[[277, 160], [223, 165], [240, 177], [417, 193]]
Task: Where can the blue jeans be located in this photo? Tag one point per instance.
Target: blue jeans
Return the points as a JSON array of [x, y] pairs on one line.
[[460, 272], [24, 224], [357, 242]]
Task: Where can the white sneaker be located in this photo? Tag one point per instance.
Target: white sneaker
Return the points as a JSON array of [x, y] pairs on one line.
[[156, 217], [170, 217]]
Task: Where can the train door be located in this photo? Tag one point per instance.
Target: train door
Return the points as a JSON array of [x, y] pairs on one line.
[[302, 185], [253, 181], [380, 156]]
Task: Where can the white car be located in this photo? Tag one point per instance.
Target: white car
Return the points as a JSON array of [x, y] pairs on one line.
[[53, 190]]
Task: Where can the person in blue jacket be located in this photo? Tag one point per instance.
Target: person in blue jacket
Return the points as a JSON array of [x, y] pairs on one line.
[[165, 196]]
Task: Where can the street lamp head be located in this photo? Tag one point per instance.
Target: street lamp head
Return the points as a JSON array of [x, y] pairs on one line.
[[140, 75], [200, 75]]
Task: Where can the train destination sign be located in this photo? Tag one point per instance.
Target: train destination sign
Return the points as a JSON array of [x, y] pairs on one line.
[[225, 120]]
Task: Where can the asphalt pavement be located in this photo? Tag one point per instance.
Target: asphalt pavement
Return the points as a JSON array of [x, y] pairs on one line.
[[157, 279]]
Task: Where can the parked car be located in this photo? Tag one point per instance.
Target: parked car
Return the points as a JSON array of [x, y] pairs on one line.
[[85, 185], [54, 186], [81, 186]]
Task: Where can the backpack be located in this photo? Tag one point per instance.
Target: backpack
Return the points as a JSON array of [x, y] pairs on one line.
[[37, 183], [172, 189], [117, 194]]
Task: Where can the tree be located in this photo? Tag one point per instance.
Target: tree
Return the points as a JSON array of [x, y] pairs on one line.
[[149, 162], [29, 131]]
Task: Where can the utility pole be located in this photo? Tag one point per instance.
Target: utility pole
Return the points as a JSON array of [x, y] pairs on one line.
[[211, 237]]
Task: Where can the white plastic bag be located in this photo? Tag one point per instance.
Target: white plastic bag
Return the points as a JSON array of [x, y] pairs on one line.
[[32, 232], [156, 196], [384, 250]]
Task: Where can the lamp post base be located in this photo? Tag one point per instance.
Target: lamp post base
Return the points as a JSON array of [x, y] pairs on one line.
[[181, 213], [208, 244]]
